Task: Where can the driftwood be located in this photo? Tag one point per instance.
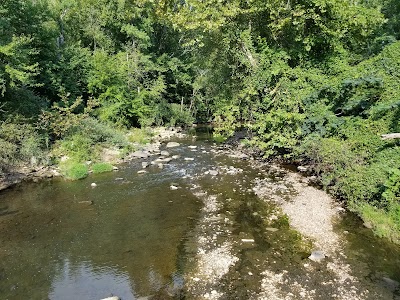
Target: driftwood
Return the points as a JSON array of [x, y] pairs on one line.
[[390, 136]]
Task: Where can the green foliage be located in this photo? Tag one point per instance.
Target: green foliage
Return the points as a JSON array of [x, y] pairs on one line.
[[101, 168], [20, 144], [315, 81], [140, 136], [73, 170]]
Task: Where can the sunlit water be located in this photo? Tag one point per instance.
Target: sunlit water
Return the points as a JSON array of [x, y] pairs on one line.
[[131, 241]]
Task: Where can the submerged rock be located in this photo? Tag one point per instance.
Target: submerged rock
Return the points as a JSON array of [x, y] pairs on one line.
[[86, 202]]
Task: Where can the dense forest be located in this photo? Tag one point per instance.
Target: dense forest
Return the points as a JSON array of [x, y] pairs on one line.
[[314, 82]]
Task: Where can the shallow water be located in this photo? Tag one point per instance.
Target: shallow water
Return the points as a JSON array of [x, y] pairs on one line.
[[135, 239]]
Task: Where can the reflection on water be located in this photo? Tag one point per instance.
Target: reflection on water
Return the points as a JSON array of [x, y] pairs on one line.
[[54, 245], [89, 282]]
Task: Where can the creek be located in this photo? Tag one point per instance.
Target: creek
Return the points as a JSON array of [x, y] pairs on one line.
[[211, 238]]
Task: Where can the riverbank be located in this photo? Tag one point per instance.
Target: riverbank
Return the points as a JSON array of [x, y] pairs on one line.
[[28, 172]]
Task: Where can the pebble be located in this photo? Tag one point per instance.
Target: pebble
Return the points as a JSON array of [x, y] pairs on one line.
[[141, 171], [173, 187], [189, 158], [93, 184]]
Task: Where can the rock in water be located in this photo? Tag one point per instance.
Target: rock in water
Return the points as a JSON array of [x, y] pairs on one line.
[[189, 158], [172, 144], [93, 184], [317, 256], [111, 298], [164, 153], [142, 172], [213, 172], [173, 187], [145, 164], [192, 147]]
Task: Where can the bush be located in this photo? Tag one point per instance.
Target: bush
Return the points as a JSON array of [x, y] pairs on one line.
[[101, 168], [20, 144], [73, 170], [140, 136]]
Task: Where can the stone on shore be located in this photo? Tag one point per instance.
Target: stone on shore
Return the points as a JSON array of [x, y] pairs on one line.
[[140, 154], [172, 144], [317, 256]]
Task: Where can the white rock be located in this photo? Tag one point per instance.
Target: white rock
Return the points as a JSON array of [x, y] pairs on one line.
[[248, 240], [272, 229], [93, 184], [317, 256], [172, 144], [302, 169], [164, 153], [189, 158], [111, 298], [213, 172], [192, 147], [173, 187], [142, 172]]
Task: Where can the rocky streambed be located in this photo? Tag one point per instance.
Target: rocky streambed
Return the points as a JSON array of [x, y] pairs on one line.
[[188, 219]]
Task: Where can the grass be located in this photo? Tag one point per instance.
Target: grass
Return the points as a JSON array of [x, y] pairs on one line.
[[101, 168], [383, 224]]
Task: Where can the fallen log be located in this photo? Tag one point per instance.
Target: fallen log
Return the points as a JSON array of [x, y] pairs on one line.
[[390, 136]]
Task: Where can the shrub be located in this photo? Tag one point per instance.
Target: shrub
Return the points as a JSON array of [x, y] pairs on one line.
[[20, 143], [101, 168], [73, 170], [140, 136]]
